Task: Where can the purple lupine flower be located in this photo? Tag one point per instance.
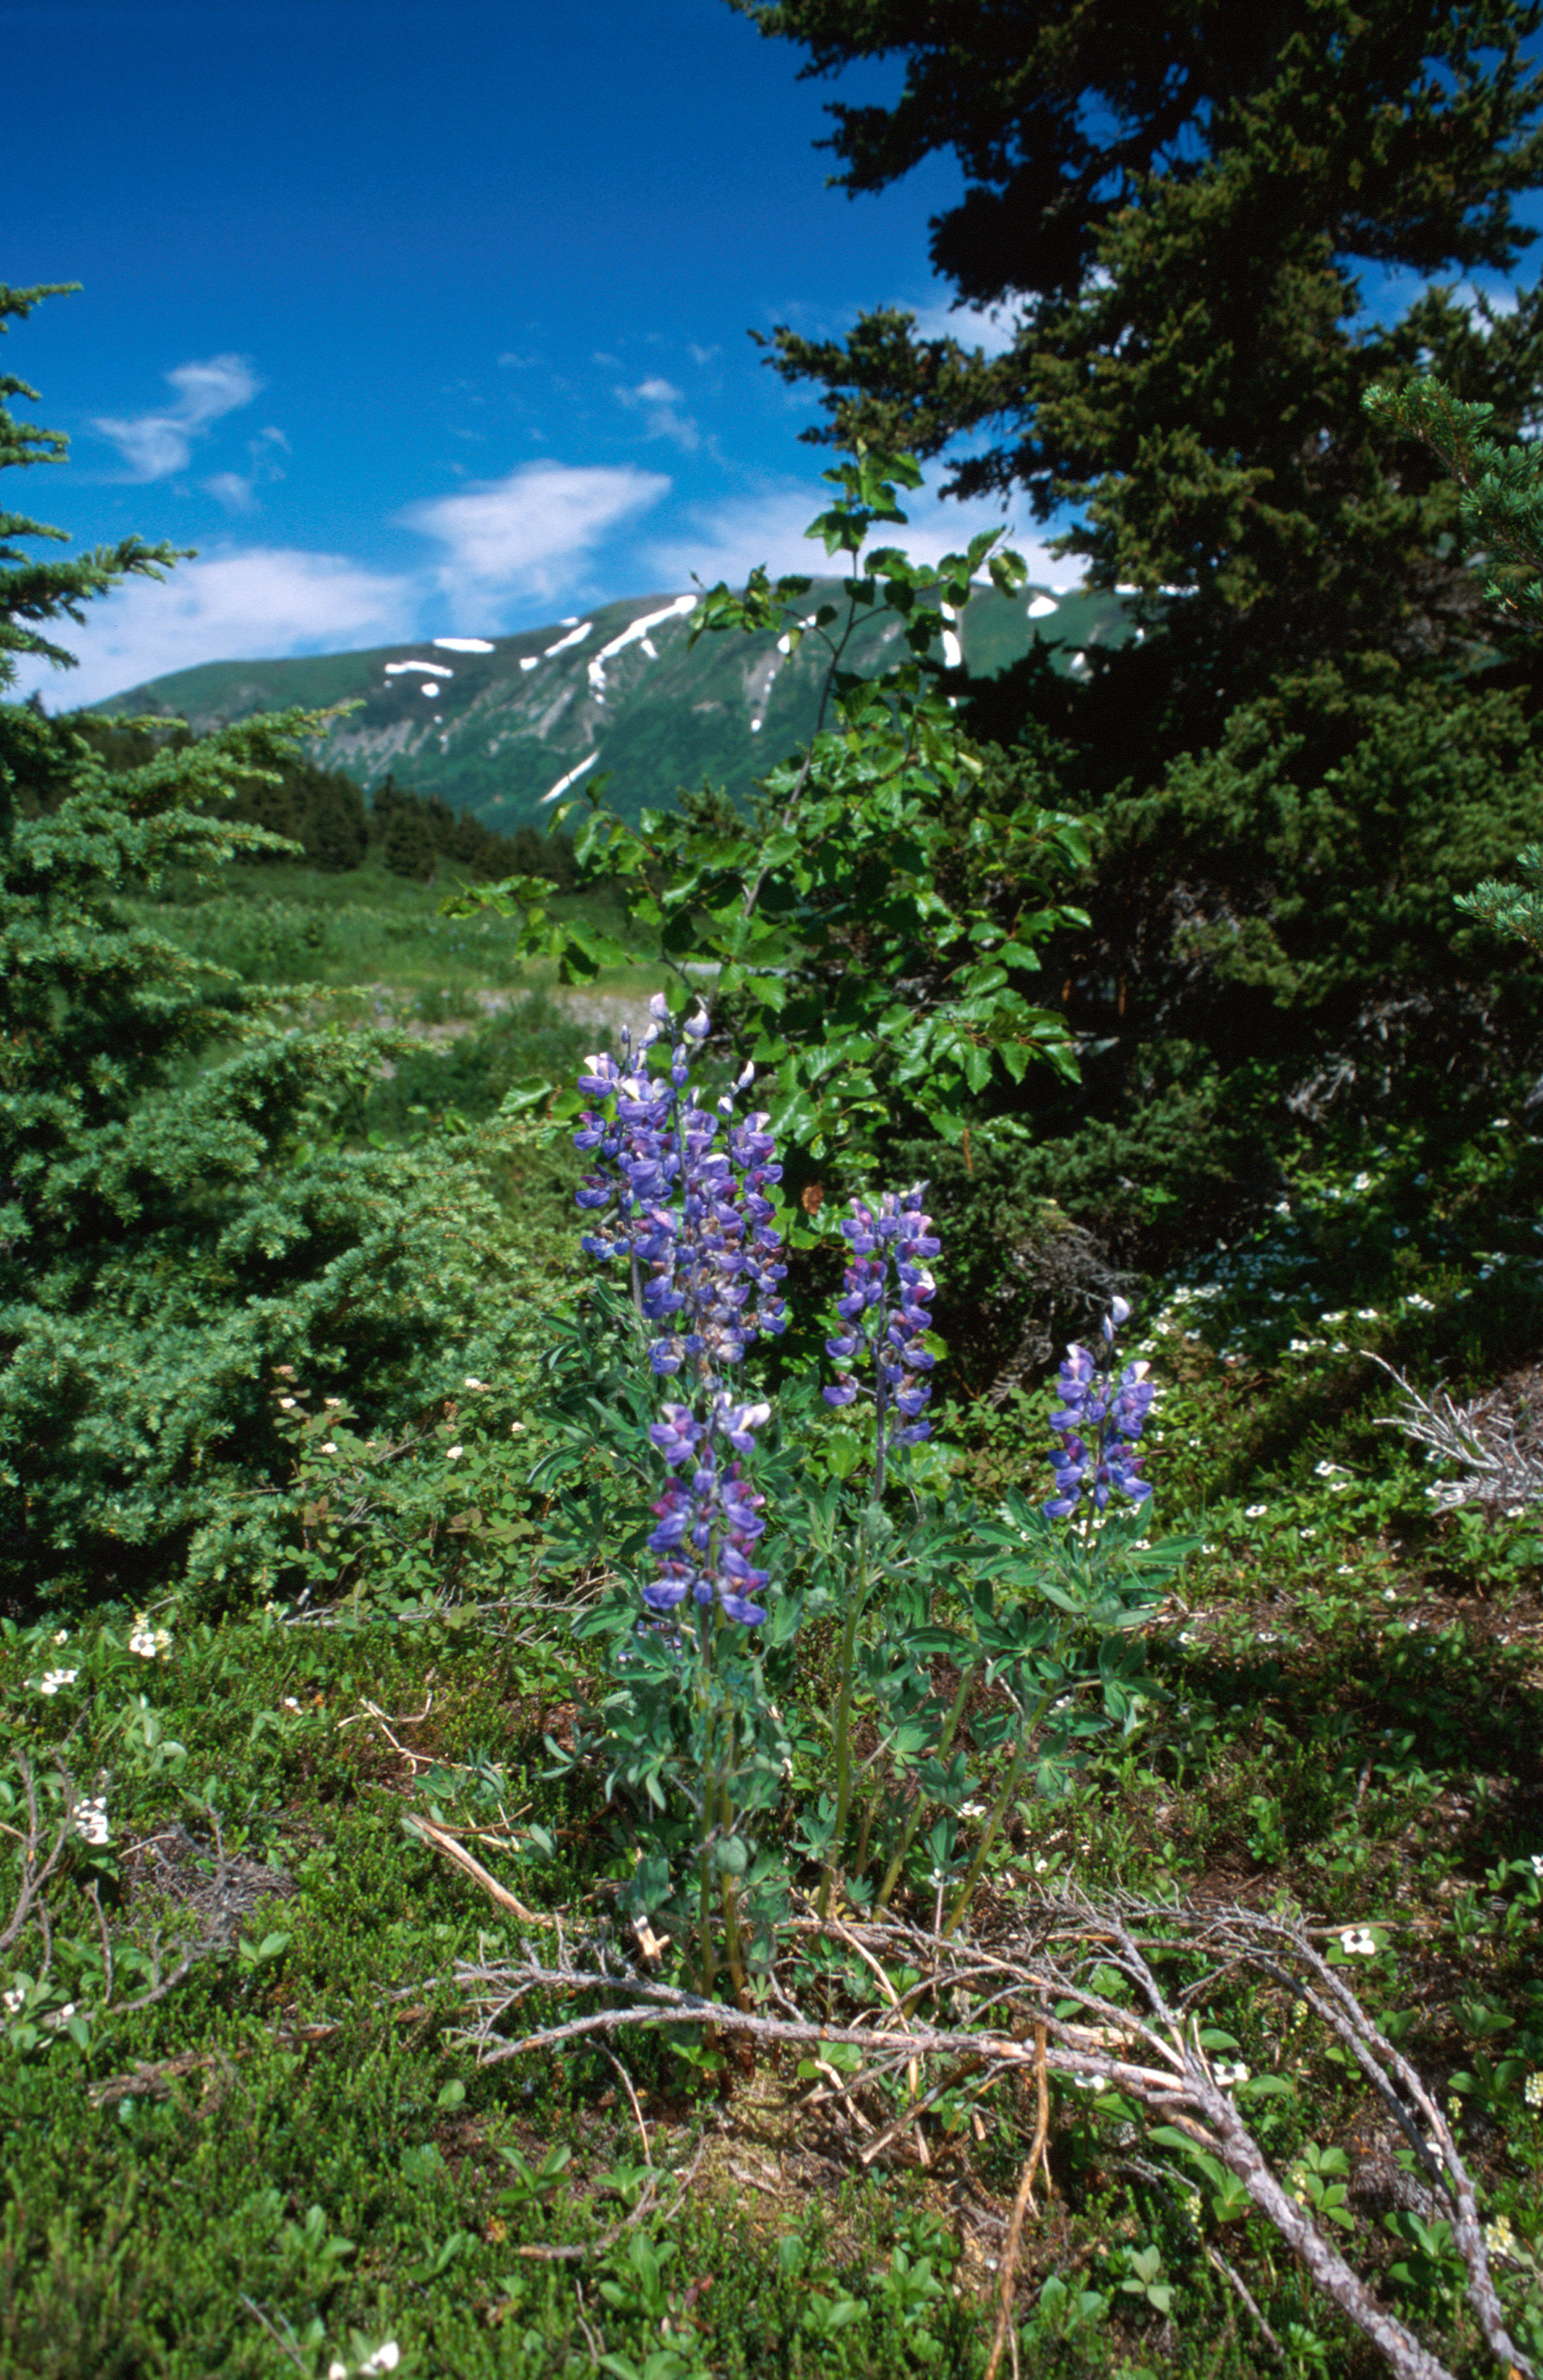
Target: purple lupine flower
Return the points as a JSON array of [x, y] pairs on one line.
[[690, 1213], [708, 1516], [1100, 1424], [679, 1190], [884, 1322]]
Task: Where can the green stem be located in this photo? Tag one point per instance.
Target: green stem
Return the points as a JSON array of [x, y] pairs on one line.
[[843, 1720], [907, 1833], [733, 1947], [1003, 1801]]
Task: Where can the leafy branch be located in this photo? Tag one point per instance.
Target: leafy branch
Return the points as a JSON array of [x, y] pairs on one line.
[[871, 924]]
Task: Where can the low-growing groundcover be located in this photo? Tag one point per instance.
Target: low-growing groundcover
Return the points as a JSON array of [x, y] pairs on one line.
[[296, 2159]]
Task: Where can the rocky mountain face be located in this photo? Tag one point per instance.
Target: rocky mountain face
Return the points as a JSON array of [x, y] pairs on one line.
[[501, 726]]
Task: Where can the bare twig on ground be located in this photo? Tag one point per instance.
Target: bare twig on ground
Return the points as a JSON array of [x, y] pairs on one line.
[[1146, 2045], [453, 1850], [1480, 1438]]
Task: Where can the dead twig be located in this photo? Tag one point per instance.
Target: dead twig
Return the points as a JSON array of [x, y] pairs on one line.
[[1058, 1955], [452, 1849]]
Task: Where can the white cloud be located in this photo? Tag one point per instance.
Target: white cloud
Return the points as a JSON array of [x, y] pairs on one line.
[[724, 541], [153, 445], [973, 326], [659, 401], [703, 354], [254, 604], [528, 534], [229, 488]]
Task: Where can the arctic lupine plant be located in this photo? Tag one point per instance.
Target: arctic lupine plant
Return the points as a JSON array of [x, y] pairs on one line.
[[678, 1194], [884, 1322], [1099, 1425]]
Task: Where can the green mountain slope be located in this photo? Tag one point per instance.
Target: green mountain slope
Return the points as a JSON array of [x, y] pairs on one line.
[[496, 726]]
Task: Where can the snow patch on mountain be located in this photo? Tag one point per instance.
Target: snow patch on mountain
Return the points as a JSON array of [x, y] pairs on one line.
[[563, 642], [637, 633], [571, 779], [462, 645]]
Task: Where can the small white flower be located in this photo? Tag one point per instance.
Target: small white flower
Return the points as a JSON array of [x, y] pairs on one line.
[[385, 2359], [1345, 1570], [454, 1453], [330, 1447], [147, 1642], [1089, 2082], [1328, 1322], [13, 2000], [286, 1404], [331, 1400], [517, 1429], [972, 1809], [61, 1635], [1256, 1512], [1041, 1865], [1537, 1862], [1229, 2076], [1327, 1470], [473, 1382], [1366, 1314], [1357, 1942], [1422, 1303], [1300, 1347], [1307, 1533], [1532, 2090], [52, 1680], [1341, 1486], [290, 1704], [91, 1820], [1362, 1182], [1390, 1594]]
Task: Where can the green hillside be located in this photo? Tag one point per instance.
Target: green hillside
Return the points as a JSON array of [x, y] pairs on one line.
[[622, 689]]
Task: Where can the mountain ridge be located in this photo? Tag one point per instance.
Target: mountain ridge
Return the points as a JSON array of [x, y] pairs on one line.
[[504, 726]]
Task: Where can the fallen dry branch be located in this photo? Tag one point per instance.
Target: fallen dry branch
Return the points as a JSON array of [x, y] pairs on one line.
[[1503, 1467], [449, 1845], [1008, 1989]]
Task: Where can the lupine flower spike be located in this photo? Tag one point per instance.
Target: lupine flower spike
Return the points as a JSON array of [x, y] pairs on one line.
[[1099, 1423], [680, 1191], [885, 1323]]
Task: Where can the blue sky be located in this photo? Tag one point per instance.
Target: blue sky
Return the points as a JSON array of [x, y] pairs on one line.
[[418, 320]]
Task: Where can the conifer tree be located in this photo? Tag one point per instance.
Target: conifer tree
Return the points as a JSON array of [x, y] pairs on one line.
[[1179, 208], [179, 1212]]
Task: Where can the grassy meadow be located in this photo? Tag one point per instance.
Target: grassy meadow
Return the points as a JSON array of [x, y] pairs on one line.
[[265, 1856]]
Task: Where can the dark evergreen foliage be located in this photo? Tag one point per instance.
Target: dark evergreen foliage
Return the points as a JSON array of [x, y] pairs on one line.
[[178, 1212], [414, 830], [1174, 206]]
